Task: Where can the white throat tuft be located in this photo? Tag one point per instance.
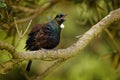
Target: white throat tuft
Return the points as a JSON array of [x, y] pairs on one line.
[[62, 26]]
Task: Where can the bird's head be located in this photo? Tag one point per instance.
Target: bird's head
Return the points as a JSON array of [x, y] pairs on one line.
[[60, 18]]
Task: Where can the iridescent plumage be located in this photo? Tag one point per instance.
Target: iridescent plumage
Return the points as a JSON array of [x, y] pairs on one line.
[[45, 36]]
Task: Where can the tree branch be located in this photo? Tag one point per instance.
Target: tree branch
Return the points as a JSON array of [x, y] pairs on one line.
[[7, 66], [9, 48], [70, 51], [76, 47]]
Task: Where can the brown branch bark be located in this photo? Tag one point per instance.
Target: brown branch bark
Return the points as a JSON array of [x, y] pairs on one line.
[[70, 51]]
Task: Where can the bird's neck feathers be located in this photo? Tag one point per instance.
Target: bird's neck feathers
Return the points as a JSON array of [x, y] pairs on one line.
[[55, 23], [58, 21]]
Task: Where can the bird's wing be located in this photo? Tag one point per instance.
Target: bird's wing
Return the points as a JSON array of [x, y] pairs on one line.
[[30, 43], [36, 28], [37, 38], [43, 36]]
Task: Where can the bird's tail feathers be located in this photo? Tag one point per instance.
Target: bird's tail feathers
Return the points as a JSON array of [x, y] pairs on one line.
[[28, 66]]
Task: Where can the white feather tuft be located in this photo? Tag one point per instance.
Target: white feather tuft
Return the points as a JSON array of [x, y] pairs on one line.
[[62, 26]]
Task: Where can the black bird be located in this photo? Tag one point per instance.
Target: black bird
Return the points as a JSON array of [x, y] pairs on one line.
[[46, 36]]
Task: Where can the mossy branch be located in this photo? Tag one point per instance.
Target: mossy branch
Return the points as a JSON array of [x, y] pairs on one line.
[[68, 52]]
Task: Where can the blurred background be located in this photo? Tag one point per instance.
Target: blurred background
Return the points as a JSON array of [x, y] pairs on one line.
[[98, 61]]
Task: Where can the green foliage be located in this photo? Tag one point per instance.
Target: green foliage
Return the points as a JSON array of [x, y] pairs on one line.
[[2, 5], [92, 69]]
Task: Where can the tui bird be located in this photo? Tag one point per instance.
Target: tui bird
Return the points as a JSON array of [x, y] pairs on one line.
[[46, 36]]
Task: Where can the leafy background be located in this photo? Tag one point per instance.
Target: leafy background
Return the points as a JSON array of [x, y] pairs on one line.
[[98, 61]]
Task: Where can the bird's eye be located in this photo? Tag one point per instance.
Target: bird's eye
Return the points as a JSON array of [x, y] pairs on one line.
[[61, 16]]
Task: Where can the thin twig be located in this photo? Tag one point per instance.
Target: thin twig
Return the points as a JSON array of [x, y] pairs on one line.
[[25, 9], [38, 11], [27, 28], [112, 39], [5, 67], [22, 34], [48, 70], [16, 26]]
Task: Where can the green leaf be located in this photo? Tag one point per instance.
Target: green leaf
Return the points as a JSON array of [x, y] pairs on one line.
[[2, 4]]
